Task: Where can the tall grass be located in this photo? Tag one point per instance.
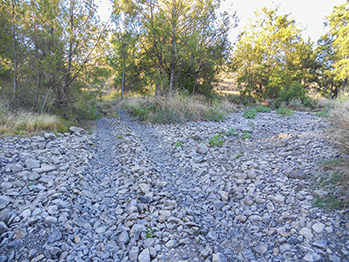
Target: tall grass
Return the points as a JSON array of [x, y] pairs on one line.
[[21, 122], [340, 117], [177, 108]]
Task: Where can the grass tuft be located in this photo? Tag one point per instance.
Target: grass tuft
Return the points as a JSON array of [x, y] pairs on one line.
[[178, 108], [22, 122]]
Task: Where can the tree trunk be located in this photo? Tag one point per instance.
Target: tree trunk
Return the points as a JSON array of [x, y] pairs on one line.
[[15, 59], [123, 80]]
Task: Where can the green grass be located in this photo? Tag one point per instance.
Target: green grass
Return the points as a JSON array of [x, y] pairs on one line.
[[231, 132], [329, 202], [246, 135], [179, 144], [284, 111], [238, 155], [323, 113], [215, 141], [250, 113], [263, 109]]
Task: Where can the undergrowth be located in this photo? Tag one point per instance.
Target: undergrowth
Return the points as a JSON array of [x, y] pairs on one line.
[[21, 122], [178, 108]]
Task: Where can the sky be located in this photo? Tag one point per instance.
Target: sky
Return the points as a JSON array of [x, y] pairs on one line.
[[308, 14]]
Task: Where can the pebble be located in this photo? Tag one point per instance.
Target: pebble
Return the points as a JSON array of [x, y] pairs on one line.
[[100, 197]]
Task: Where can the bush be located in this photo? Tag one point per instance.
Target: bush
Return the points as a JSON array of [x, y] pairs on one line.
[[250, 113], [177, 108], [295, 91], [284, 111]]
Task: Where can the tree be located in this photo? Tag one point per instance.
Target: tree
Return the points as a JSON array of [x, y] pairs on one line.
[[339, 33], [169, 33], [270, 55]]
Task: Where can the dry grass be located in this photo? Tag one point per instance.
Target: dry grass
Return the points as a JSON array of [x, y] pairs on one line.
[[340, 117], [177, 108], [21, 122]]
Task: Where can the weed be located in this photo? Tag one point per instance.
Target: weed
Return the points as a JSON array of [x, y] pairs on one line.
[[149, 232], [246, 135], [215, 141], [119, 137], [251, 124], [214, 114], [231, 132], [179, 144], [238, 155], [322, 113], [328, 202], [284, 111], [250, 113], [263, 109]]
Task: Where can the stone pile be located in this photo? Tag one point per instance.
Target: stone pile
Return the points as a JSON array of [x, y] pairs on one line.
[[131, 192]]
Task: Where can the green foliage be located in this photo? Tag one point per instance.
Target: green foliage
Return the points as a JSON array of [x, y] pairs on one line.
[[238, 155], [119, 137], [250, 113], [179, 144], [263, 109], [251, 124], [215, 114], [284, 111], [295, 91], [323, 113], [215, 141], [246, 135], [149, 232], [271, 54], [231, 132], [329, 202]]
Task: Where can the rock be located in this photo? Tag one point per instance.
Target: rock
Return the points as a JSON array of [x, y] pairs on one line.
[[4, 201], [318, 227], [321, 244], [38, 139], [247, 253], [171, 243], [144, 256], [55, 251], [278, 199], [49, 220], [83, 223], [133, 254], [3, 227], [123, 238], [76, 130], [306, 232], [312, 257], [16, 168], [219, 257], [33, 176], [32, 163], [241, 218], [260, 249], [202, 149], [55, 236], [45, 169]]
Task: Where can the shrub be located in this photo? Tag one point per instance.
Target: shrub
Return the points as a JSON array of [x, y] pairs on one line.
[[250, 113], [295, 91], [284, 111], [215, 141], [263, 109]]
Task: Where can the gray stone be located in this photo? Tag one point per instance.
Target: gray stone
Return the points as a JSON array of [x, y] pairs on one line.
[[33, 176], [83, 223], [4, 201], [133, 254], [3, 227], [49, 220], [318, 227], [248, 254], [312, 257], [38, 139], [171, 243], [123, 238], [144, 256], [16, 168], [306, 232], [321, 244], [261, 249], [55, 236], [202, 148], [219, 257], [44, 169], [55, 251], [32, 163]]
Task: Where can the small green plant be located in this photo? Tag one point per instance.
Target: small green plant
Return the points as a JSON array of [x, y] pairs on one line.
[[119, 137], [215, 141], [149, 232], [246, 135], [251, 124], [231, 132], [328, 202], [179, 144], [323, 113], [238, 155], [284, 111], [263, 109], [250, 113], [214, 114]]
